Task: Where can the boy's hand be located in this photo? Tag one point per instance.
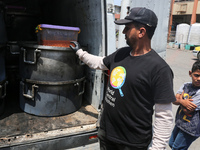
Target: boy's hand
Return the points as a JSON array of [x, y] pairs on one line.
[[187, 103], [186, 111]]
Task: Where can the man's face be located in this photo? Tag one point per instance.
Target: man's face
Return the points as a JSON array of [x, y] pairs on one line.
[[131, 34], [195, 77]]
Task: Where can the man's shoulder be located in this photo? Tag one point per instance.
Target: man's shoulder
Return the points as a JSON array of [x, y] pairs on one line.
[[126, 48], [157, 59], [121, 52]]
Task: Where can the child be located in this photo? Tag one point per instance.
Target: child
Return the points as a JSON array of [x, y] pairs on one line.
[[187, 124]]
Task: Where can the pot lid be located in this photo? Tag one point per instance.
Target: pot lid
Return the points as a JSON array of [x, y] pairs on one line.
[[59, 27]]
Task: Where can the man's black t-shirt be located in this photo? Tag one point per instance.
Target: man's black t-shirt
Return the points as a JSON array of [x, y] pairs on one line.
[[136, 83]]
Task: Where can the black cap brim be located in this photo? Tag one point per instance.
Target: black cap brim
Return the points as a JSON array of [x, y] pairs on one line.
[[123, 21]]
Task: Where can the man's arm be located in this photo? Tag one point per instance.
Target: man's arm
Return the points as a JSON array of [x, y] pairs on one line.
[[94, 62], [162, 126]]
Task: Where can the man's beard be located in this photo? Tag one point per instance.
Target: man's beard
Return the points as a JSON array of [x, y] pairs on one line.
[[127, 41], [131, 42]]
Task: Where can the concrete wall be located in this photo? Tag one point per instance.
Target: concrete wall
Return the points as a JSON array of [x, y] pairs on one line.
[[185, 8]]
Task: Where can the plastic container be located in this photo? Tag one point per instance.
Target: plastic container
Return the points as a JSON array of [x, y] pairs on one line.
[[194, 36], [182, 32], [54, 35]]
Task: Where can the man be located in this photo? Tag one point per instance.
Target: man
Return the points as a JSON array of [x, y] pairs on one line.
[[139, 79]]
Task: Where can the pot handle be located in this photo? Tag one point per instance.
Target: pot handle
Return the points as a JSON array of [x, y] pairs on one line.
[[77, 84], [33, 91], [1, 89], [30, 62], [14, 53], [81, 63]]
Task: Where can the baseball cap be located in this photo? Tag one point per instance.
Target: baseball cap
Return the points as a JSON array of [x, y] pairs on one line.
[[141, 15]]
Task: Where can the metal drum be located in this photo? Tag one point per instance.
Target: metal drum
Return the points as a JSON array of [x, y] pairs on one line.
[[2, 106], [48, 63], [52, 80], [2, 63], [3, 85], [12, 71], [12, 62], [12, 54], [43, 98], [3, 36], [20, 26], [2, 78]]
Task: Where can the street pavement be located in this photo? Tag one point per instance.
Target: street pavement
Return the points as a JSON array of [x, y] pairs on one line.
[[181, 62]]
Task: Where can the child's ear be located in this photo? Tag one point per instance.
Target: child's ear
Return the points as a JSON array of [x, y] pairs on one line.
[[190, 73]]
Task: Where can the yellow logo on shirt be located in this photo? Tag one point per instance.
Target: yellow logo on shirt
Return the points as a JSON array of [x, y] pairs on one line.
[[117, 78]]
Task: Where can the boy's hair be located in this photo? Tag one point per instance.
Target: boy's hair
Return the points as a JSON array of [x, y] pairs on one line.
[[149, 30], [196, 66]]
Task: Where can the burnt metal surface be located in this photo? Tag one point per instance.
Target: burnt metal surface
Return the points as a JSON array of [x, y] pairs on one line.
[[2, 63], [12, 54], [15, 122], [48, 63], [3, 36], [2, 105], [51, 98], [20, 26]]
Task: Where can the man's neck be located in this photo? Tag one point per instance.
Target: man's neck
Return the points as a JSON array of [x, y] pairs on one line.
[[141, 49]]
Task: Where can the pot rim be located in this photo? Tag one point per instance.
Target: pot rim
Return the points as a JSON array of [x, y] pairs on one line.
[[43, 47]]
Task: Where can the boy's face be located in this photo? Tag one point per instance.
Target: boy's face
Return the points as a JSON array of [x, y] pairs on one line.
[[195, 77]]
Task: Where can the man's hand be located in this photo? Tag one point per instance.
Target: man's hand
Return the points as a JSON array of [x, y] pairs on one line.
[[77, 46]]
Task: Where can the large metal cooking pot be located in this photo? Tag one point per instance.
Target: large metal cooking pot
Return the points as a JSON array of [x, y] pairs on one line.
[[12, 54], [3, 81], [3, 89], [12, 69], [44, 98], [2, 63], [20, 26], [3, 36], [48, 63], [2, 106]]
